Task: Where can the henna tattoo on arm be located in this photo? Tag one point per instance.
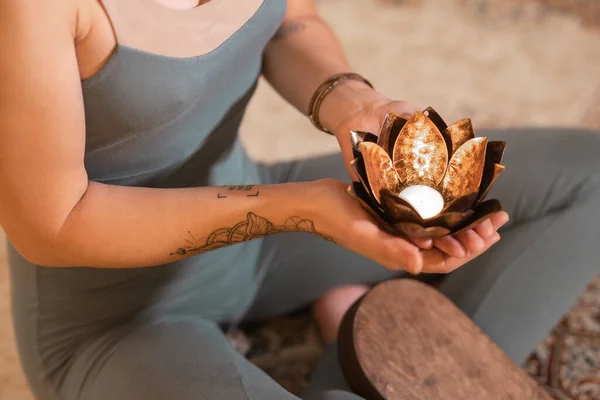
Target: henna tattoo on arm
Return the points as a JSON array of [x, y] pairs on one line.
[[238, 188], [254, 227]]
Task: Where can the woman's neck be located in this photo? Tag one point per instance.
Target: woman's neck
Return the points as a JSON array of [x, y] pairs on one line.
[[181, 4]]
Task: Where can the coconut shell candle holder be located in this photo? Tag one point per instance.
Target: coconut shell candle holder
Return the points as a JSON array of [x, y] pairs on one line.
[[423, 178]]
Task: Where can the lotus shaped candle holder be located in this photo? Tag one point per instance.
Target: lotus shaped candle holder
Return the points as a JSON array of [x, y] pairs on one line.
[[422, 178]]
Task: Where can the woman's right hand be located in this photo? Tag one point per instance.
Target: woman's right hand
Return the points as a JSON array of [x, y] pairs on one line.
[[340, 216]]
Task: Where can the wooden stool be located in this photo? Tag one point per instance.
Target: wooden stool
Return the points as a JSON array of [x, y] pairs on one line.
[[404, 340]]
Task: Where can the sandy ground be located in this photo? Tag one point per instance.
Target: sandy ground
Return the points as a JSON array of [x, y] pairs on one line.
[[505, 64], [500, 62]]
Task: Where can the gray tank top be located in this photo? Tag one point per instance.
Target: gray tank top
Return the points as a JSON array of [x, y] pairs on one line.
[[151, 121], [159, 121]]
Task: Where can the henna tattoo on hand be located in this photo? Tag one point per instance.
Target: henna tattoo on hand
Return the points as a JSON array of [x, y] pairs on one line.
[[254, 227]]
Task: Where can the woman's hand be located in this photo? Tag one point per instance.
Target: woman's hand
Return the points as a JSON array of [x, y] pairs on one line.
[[367, 115], [340, 216]]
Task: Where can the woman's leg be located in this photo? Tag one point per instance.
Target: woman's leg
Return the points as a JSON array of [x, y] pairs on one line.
[[298, 268], [521, 287], [172, 360], [517, 290]]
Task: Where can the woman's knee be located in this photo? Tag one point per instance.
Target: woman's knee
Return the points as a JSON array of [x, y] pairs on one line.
[[160, 361], [547, 170], [569, 147], [319, 167]]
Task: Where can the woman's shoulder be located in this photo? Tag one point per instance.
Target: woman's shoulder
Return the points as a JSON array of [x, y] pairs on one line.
[[64, 12], [39, 25]]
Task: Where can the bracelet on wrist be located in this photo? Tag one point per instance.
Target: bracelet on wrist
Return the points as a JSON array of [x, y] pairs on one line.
[[326, 88]]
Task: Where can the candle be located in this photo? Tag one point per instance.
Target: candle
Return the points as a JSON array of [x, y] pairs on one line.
[[427, 201]]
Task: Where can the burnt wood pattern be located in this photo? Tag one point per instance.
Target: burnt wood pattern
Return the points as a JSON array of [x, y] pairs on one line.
[[404, 340]]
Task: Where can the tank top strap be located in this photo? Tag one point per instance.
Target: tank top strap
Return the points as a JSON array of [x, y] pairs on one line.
[[151, 27]]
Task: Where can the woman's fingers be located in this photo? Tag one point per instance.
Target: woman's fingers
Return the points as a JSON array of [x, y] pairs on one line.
[[471, 241], [401, 254], [493, 240], [453, 246], [450, 252], [474, 240], [499, 219], [450, 246], [465, 242], [422, 243], [442, 255], [436, 261], [485, 229]]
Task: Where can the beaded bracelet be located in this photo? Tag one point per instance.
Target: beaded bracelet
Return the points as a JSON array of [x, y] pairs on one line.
[[323, 90]]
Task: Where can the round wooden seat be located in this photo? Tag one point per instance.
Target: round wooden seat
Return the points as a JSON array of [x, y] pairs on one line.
[[404, 340]]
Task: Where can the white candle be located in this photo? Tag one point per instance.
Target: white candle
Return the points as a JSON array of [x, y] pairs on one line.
[[427, 201]]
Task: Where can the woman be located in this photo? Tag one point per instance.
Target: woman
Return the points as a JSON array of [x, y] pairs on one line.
[[122, 178]]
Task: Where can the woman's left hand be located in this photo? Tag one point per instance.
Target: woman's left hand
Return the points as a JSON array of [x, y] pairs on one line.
[[369, 118]]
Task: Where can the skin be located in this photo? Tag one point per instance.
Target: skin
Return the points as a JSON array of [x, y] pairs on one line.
[[55, 216]]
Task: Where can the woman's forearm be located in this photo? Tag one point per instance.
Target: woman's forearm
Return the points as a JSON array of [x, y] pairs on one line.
[[123, 227], [304, 52]]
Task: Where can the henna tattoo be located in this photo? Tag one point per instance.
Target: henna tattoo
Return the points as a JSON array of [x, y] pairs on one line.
[[241, 187], [254, 227], [244, 188]]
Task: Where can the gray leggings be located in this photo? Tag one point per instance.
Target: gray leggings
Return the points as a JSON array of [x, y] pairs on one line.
[[515, 292]]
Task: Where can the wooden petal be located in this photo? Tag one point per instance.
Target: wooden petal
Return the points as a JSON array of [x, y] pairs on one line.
[[390, 129], [420, 153], [362, 189], [380, 171], [491, 172], [459, 133], [450, 220], [482, 211], [358, 165], [494, 152], [357, 191], [463, 203], [436, 118], [465, 170], [357, 137], [413, 230], [397, 209]]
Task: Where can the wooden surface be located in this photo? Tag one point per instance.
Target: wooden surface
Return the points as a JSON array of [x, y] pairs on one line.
[[406, 341]]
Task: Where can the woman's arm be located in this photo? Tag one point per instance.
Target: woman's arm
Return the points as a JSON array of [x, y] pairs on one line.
[[50, 211], [302, 54], [113, 226]]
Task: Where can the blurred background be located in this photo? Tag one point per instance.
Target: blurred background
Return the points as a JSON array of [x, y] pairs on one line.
[[501, 62]]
